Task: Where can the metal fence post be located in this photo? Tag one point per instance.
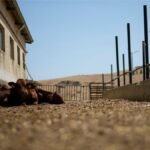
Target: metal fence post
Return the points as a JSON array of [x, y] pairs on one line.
[[129, 53], [117, 60], [111, 75], [103, 82], [146, 40], [143, 56], [124, 76]]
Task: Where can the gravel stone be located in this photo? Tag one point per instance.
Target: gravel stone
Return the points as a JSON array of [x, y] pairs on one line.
[[77, 125]]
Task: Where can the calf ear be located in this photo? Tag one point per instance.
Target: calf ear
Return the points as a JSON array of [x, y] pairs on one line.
[[11, 84]]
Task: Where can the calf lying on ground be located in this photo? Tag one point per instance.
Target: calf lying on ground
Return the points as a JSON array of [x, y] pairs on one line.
[[25, 92], [18, 93], [49, 97], [22, 92]]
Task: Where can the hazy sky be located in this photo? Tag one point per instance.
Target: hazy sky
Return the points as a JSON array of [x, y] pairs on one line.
[[76, 37]]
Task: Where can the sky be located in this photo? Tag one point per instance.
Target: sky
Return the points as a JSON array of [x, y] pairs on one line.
[[77, 37]]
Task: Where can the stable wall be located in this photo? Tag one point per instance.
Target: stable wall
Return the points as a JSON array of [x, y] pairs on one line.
[[136, 92]]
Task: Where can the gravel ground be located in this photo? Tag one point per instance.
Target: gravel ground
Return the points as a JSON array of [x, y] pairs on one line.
[[88, 125]]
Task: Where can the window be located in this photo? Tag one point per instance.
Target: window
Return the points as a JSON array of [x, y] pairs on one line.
[[2, 41], [11, 48], [18, 55], [23, 58]]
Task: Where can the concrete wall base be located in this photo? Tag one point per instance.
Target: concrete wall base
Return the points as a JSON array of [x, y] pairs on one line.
[[139, 92]]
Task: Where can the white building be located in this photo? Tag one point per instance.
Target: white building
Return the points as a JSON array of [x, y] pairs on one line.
[[14, 34]]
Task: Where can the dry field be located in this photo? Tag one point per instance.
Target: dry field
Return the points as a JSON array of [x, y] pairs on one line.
[[83, 79], [77, 125]]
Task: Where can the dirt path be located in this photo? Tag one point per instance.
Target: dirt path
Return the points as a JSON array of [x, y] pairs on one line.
[[96, 125]]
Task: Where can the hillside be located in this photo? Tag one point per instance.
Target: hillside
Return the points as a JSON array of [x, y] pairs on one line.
[[80, 78], [90, 78]]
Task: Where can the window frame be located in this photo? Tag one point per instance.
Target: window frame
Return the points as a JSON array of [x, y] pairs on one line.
[[18, 55], [12, 52], [23, 60], [2, 30]]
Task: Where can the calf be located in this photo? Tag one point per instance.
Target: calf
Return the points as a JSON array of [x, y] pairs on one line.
[[22, 93], [56, 99], [26, 92], [49, 97], [18, 93]]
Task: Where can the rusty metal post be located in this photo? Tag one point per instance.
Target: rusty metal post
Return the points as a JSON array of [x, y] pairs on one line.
[[124, 76], [129, 53], [117, 61], [146, 40], [111, 75], [143, 56]]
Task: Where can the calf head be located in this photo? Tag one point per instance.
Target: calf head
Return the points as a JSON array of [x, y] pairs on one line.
[[32, 94], [18, 92]]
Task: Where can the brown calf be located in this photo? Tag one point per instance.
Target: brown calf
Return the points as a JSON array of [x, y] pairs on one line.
[[49, 97], [22, 93], [26, 92]]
